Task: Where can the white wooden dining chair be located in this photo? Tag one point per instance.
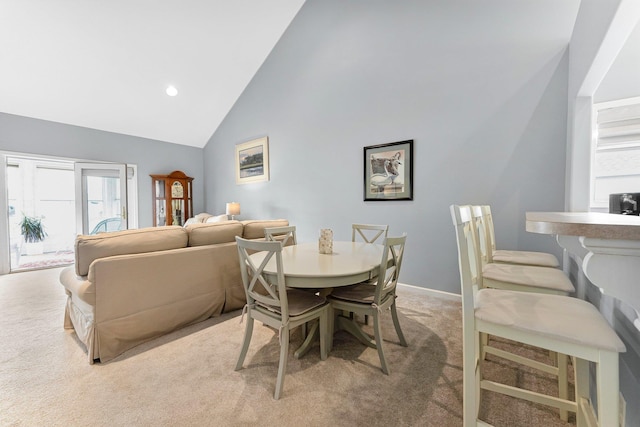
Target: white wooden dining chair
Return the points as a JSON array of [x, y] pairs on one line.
[[272, 303], [286, 234], [541, 259], [525, 278], [558, 323], [369, 233], [373, 298]]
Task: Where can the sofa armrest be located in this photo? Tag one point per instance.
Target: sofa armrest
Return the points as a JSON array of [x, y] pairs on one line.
[[78, 286]]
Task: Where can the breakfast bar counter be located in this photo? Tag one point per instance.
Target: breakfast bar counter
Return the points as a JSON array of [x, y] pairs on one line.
[[608, 244], [587, 224]]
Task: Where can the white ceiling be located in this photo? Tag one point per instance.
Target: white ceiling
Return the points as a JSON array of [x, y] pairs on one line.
[[106, 64]]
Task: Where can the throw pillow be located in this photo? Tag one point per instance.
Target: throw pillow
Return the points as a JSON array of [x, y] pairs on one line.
[[217, 218]]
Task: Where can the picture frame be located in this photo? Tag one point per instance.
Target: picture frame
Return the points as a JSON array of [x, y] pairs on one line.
[[388, 171], [252, 161]]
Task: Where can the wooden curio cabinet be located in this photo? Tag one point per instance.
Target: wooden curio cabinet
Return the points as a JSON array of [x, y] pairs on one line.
[[172, 203]]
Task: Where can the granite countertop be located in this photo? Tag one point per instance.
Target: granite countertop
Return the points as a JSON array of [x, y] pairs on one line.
[[588, 224]]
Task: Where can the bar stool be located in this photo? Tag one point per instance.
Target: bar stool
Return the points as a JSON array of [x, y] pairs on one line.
[[558, 323], [525, 278], [541, 259]]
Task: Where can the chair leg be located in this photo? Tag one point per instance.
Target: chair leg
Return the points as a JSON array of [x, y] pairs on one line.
[[396, 323], [377, 329], [324, 334], [581, 368], [282, 367], [608, 386], [331, 323], [563, 382], [470, 378], [484, 341], [248, 331]]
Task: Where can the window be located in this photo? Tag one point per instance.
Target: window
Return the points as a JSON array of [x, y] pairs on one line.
[[615, 161]]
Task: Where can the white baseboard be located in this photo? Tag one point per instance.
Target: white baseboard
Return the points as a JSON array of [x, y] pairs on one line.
[[434, 292]]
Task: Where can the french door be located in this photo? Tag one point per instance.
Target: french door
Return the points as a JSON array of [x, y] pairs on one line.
[[68, 198], [101, 197]]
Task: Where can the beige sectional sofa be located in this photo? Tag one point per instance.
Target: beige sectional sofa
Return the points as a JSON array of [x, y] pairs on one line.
[[130, 286]]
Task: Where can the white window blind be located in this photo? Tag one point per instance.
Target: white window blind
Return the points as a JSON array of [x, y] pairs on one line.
[[615, 164]]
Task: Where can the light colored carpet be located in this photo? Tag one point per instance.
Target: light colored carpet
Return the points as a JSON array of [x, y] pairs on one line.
[[187, 378]]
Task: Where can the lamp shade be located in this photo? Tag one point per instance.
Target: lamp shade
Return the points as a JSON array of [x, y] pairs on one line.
[[233, 208]]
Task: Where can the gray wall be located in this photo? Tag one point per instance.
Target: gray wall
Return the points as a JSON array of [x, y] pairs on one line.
[[26, 135], [622, 79], [487, 114]]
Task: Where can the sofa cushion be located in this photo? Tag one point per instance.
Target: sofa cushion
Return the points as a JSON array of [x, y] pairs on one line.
[[91, 247], [214, 232], [254, 229]]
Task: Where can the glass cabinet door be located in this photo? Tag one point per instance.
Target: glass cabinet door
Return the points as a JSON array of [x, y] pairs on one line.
[[172, 204], [177, 211], [160, 202]]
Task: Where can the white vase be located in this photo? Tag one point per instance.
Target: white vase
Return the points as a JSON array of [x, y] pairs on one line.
[[325, 243]]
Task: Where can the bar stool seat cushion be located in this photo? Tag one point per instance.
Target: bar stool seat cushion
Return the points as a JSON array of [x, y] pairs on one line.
[[541, 259], [538, 277], [552, 316]]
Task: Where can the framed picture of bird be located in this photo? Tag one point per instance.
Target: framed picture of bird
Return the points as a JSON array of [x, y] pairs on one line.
[[388, 171]]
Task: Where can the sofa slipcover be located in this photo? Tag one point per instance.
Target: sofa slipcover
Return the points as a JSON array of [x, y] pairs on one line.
[[131, 286]]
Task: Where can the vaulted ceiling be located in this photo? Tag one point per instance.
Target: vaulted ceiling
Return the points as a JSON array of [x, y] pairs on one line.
[[106, 64]]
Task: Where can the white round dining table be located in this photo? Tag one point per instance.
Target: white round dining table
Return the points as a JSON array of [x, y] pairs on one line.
[[305, 267]]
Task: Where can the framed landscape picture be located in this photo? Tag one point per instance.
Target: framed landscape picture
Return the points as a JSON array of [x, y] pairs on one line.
[[252, 161], [388, 171]]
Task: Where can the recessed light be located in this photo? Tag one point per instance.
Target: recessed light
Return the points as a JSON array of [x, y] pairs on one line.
[[171, 90]]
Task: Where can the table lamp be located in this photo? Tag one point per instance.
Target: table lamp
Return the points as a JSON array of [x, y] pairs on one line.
[[233, 209]]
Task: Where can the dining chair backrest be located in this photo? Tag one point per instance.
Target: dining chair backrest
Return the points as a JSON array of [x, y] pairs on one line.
[[288, 233], [490, 235], [389, 270], [468, 257], [482, 234], [490, 254], [258, 289], [370, 233]]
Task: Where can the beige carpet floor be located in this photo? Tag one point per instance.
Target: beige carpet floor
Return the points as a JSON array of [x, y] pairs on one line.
[[187, 378]]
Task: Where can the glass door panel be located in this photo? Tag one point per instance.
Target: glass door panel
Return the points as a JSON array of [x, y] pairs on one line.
[[177, 209], [40, 191], [101, 190], [103, 208], [161, 215]]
